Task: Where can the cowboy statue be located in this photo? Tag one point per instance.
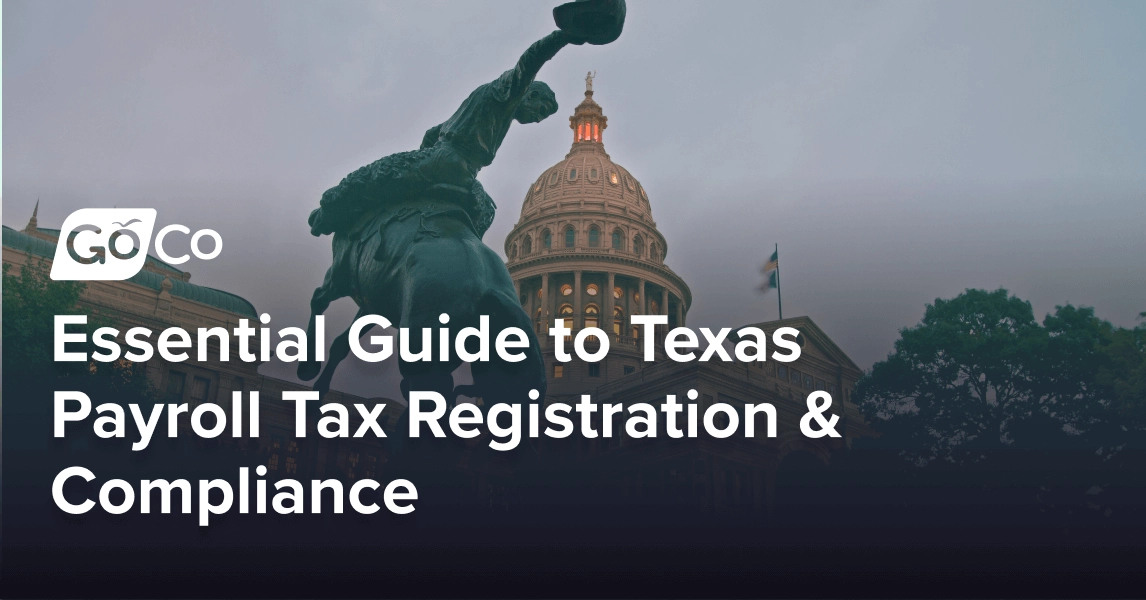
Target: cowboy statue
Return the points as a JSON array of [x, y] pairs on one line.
[[408, 227]]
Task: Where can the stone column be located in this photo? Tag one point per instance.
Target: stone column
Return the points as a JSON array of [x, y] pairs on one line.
[[630, 304], [552, 304], [641, 300], [531, 304], [607, 318], [517, 289], [578, 318], [770, 491], [719, 484], [544, 334], [534, 301], [758, 491], [680, 312]]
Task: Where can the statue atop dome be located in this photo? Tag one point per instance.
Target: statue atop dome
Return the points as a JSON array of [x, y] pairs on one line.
[[589, 80], [408, 227]]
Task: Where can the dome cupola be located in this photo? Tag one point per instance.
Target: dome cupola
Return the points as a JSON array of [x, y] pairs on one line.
[[588, 121]]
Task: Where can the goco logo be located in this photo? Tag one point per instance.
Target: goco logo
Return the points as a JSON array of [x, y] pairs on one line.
[[110, 244]]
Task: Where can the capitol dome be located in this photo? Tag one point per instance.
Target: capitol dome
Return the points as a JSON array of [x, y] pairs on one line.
[[588, 174], [586, 228], [587, 171]]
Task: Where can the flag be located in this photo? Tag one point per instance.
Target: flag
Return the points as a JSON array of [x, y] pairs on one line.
[[770, 272], [773, 263], [771, 282]]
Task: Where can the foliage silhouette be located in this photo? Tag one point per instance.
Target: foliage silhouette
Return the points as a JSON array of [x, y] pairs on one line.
[[979, 372], [31, 302]]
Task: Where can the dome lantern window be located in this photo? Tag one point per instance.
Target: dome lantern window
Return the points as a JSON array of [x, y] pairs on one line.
[[588, 120]]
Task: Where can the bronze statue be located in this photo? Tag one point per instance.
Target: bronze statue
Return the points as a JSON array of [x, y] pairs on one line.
[[408, 227]]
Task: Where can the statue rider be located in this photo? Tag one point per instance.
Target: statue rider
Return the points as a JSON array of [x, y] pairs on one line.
[[408, 227]]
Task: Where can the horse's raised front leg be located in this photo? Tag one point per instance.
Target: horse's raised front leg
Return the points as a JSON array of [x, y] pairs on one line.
[[319, 302], [339, 350]]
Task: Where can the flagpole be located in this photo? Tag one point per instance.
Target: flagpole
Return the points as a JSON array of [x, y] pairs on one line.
[[779, 298]]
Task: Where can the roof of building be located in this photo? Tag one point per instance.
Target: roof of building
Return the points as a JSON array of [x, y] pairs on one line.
[[18, 240], [807, 327]]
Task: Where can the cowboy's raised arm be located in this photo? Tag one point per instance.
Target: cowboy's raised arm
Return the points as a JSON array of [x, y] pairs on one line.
[[517, 80]]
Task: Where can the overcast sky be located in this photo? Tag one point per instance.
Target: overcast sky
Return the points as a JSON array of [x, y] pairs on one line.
[[897, 151]]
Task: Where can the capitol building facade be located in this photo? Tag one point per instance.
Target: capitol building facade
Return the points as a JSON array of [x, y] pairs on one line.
[[587, 251]]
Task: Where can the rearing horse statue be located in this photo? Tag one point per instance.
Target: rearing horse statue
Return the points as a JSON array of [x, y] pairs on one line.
[[408, 227]]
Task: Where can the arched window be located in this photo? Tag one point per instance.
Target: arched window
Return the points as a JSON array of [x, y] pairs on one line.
[[570, 237], [654, 308], [512, 251], [527, 245], [618, 319], [591, 315], [547, 239], [565, 316], [654, 251], [594, 237], [618, 240], [573, 174], [639, 246]]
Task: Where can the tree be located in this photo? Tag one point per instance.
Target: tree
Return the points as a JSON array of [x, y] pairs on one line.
[[980, 372], [31, 302], [1125, 372]]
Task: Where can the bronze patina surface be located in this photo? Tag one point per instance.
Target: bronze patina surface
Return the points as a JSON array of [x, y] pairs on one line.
[[408, 227]]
